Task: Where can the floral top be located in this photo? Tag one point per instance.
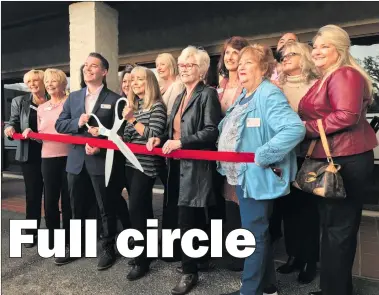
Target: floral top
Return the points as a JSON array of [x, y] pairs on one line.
[[227, 143]]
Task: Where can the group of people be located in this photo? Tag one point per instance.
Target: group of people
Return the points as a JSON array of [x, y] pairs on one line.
[[267, 103]]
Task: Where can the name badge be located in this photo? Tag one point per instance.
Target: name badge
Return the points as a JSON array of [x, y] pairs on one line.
[[220, 90], [48, 108], [253, 122], [33, 107], [105, 106]]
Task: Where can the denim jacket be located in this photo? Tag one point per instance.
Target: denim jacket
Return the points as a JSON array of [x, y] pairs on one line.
[[269, 128]]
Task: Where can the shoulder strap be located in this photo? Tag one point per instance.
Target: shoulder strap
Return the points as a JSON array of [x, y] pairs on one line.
[[324, 141], [311, 148]]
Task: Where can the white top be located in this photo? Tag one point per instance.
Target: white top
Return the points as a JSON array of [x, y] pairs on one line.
[[91, 99]]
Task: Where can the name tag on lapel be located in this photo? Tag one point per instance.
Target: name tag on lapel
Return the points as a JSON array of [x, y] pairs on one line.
[[220, 90], [33, 107], [253, 122], [105, 106]]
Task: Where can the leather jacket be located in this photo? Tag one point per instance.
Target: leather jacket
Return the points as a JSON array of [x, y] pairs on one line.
[[19, 120], [342, 104], [199, 131]]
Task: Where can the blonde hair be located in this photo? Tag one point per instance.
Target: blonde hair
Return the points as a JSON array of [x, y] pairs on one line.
[[170, 61], [308, 68], [33, 73], [201, 56], [340, 39], [58, 75], [264, 57], [152, 91]]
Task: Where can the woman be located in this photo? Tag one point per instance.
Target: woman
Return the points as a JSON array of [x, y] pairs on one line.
[[146, 117], [228, 91], [260, 121], [171, 86], [190, 182], [299, 209], [126, 80], [340, 98], [54, 156], [23, 119]]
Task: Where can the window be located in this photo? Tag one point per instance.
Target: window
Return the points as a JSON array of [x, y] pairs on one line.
[[366, 51]]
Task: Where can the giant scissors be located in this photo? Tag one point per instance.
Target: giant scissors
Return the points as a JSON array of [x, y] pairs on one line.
[[113, 136]]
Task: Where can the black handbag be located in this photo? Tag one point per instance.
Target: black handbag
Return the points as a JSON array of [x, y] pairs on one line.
[[320, 178]]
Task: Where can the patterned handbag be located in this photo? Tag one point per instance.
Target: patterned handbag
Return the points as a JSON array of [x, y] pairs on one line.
[[320, 178]]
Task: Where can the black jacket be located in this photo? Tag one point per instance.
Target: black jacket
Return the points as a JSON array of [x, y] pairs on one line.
[[19, 120], [199, 131]]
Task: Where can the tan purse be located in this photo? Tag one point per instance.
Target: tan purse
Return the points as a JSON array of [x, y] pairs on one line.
[[320, 178]]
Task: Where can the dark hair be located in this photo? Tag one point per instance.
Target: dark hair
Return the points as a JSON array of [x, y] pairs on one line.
[[104, 64], [236, 42], [82, 83], [127, 70]]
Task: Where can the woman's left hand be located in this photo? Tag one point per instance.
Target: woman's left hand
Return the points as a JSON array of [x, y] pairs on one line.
[[171, 145], [26, 132], [127, 113]]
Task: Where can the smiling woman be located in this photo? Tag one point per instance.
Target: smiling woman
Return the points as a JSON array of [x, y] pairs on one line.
[[146, 118], [192, 125], [54, 156], [23, 119], [341, 98]]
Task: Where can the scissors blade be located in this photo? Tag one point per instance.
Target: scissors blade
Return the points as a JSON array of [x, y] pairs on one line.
[[127, 152], [108, 165]]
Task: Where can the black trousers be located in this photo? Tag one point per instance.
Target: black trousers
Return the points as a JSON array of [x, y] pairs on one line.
[[190, 218], [31, 171], [170, 214], [233, 221], [82, 187], [140, 206], [116, 185], [301, 223], [55, 180], [340, 220]]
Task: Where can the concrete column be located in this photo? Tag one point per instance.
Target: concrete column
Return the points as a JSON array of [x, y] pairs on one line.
[[93, 28]]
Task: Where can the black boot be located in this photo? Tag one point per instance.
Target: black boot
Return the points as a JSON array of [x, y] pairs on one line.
[[137, 272], [291, 265], [186, 283], [107, 257], [307, 273], [31, 245]]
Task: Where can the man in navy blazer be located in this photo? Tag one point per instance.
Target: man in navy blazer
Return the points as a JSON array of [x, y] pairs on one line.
[[85, 164]]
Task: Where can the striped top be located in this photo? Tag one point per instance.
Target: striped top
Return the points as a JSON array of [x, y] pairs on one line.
[[155, 124]]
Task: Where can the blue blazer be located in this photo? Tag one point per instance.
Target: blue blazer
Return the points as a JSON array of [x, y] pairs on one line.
[[269, 128], [67, 123]]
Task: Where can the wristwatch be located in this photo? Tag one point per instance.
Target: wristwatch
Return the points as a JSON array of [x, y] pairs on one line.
[[135, 122]]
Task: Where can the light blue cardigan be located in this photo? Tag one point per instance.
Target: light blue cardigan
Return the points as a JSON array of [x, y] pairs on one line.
[[269, 128]]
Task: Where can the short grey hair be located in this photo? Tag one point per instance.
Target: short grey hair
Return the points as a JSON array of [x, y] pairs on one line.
[[201, 56]]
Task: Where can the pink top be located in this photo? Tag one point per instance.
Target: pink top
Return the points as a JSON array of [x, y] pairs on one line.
[[47, 115]]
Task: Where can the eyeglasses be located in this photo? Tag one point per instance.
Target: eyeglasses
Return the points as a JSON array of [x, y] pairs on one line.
[[289, 55], [181, 67]]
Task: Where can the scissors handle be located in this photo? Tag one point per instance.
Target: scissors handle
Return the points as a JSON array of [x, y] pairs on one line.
[[117, 121]]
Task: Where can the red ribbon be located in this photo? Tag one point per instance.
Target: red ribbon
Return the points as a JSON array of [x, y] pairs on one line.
[[141, 149]]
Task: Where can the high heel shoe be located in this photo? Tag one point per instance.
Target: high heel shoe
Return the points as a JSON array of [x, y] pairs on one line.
[[291, 265], [307, 273]]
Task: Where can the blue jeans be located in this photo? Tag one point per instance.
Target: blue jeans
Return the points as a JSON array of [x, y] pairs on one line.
[[259, 268]]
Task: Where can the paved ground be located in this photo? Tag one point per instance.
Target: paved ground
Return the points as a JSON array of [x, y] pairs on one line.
[[32, 274]]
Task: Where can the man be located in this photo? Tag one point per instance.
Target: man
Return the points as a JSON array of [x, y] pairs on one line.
[[85, 164], [287, 37]]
